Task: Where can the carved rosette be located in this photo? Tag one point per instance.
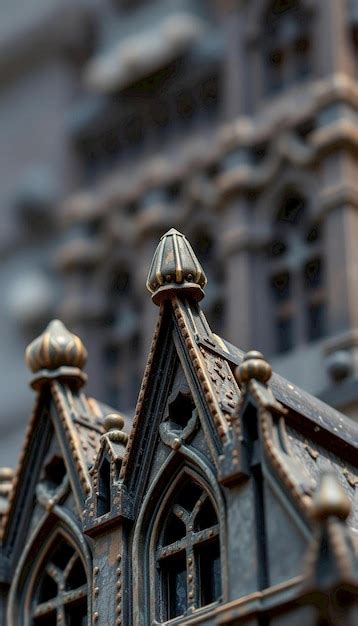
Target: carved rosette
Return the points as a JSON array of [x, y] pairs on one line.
[[56, 353], [175, 269]]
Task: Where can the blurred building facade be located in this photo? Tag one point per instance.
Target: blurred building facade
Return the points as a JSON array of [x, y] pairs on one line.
[[234, 122], [42, 43]]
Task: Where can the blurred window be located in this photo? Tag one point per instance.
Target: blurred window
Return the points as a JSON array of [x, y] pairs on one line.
[[286, 44], [141, 121], [296, 279]]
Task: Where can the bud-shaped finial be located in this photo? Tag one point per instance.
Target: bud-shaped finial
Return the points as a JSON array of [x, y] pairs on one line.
[[56, 351], [255, 366], [113, 424], [175, 269], [330, 499]]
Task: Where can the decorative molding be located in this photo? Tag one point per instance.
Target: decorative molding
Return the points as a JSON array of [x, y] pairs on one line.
[[15, 482], [71, 433], [142, 393], [253, 375], [336, 196], [200, 369], [284, 147]]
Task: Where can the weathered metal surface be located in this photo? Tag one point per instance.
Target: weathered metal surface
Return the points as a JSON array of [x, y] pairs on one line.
[[212, 506]]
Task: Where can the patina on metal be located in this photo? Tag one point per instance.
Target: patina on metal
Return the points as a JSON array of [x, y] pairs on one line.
[[228, 498], [175, 267]]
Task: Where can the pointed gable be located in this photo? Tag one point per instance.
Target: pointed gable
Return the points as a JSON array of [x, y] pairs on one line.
[[103, 505], [63, 418], [176, 282]]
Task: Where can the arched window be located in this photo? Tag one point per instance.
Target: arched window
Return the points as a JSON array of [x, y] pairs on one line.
[[296, 280], [286, 44], [59, 593], [104, 488], [187, 559]]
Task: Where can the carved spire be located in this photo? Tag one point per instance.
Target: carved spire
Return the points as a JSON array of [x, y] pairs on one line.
[[56, 353], [254, 366], [174, 269]]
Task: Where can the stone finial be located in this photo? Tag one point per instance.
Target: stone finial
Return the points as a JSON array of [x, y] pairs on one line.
[[113, 424], [255, 366], [175, 269], [56, 351], [330, 499], [6, 478]]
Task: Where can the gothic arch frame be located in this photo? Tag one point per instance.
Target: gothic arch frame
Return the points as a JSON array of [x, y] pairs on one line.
[[25, 575], [146, 529]]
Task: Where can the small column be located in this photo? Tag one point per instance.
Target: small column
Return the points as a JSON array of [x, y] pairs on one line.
[[238, 247], [235, 60], [338, 208], [331, 38], [341, 236]]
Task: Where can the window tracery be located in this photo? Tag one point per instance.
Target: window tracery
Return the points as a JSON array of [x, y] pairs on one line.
[[188, 553], [60, 591]]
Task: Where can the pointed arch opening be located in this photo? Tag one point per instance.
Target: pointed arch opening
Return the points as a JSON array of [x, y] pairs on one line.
[[52, 581], [58, 591], [185, 550], [104, 488]]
